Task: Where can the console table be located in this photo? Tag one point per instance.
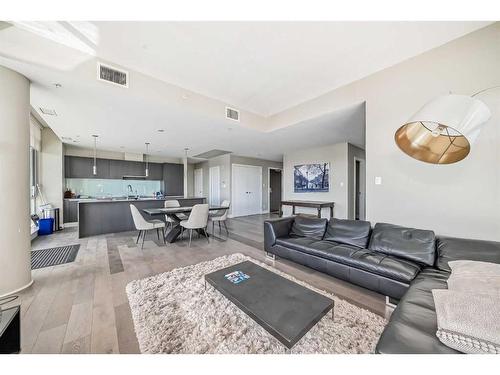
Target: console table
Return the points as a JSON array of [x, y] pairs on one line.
[[311, 204]]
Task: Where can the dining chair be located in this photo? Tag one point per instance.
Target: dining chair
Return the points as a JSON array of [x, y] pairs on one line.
[[220, 216], [143, 225], [198, 219], [173, 203]]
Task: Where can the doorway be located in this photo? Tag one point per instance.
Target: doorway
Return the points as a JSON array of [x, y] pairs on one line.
[[359, 189], [198, 182], [246, 190], [275, 176], [214, 178]]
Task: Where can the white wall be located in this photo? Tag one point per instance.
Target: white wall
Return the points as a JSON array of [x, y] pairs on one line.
[[15, 233], [354, 152], [265, 164], [223, 162], [52, 170], [461, 199], [336, 155]]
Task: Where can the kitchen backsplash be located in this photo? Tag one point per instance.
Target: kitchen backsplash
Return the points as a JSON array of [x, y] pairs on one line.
[[98, 188]]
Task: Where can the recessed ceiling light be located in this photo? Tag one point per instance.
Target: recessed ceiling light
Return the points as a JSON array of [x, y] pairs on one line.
[[161, 130], [48, 111], [57, 85]]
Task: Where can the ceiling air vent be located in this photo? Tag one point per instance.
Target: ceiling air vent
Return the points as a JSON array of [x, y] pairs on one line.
[[112, 75], [48, 111], [232, 114]]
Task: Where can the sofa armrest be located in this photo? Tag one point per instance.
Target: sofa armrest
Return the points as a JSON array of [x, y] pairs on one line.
[[276, 228]]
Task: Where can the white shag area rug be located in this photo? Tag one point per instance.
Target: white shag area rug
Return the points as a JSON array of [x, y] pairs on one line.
[[173, 313]]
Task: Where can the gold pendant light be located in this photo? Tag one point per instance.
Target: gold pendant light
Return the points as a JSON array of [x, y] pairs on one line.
[[442, 131]]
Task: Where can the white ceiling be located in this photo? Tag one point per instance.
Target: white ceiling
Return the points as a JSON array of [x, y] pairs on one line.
[[267, 67], [262, 68]]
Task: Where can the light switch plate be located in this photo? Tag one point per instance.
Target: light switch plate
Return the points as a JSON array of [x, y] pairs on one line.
[[378, 180]]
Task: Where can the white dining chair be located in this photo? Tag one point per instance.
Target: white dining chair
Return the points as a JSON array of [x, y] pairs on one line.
[[198, 219], [220, 216], [173, 203], [143, 225]]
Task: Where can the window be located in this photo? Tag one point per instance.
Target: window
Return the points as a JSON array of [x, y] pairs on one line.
[[33, 180]]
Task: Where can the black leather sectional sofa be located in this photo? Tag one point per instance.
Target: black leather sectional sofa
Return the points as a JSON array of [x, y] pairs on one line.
[[398, 262]]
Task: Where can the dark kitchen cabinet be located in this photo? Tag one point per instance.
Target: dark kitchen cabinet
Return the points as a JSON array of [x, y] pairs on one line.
[[135, 168], [173, 179], [70, 211], [80, 167], [155, 172], [117, 169]]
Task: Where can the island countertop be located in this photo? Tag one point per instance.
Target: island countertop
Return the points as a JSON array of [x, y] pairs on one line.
[[101, 216], [143, 199]]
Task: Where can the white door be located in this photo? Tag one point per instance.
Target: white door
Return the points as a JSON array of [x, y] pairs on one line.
[[247, 190], [214, 196], [198, 182]]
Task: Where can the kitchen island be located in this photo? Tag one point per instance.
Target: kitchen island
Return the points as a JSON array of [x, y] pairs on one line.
[[101, 216]]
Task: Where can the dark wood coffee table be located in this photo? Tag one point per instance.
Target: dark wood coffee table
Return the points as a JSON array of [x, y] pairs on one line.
[[282, 307]]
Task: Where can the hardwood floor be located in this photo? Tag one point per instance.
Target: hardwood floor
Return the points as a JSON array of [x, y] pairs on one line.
[[81, 307]]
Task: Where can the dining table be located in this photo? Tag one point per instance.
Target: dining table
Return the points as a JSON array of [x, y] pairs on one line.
[[174, 214]]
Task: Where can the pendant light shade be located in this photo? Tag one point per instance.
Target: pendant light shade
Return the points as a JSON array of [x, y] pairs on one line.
[[94, 166], [442, 131], [146, 171]]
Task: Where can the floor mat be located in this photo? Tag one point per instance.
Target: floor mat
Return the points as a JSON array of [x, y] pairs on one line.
[[53, 256]]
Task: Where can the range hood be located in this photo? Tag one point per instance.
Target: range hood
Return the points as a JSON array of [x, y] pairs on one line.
[[134, 177]]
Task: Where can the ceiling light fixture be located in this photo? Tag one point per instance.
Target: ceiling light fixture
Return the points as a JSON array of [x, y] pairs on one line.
[[444, 129], [94, 168], [161, 130], [57, 85]]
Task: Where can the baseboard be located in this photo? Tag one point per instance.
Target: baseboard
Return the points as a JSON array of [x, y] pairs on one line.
[[18, 289]]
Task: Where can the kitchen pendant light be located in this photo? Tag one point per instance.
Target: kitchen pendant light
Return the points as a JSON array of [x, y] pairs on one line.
[[94, 167], [442, 131], [147, 166]]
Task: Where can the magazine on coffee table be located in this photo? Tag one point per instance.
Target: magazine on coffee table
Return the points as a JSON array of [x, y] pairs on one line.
[[236, 277]]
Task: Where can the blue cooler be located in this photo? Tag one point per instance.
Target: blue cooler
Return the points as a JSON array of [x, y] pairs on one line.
[[45, 226]]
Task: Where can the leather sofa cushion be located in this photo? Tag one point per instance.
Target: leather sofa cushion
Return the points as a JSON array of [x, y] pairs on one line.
[[377, 263], [312, 227], [451, 248], [351, 232], [413, 324], [408, 243]]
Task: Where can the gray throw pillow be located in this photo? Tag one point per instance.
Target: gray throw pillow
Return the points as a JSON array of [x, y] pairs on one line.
[[468, 322], [474, 268]]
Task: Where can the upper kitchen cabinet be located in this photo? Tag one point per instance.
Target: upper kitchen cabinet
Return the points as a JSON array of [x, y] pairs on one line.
[[173, 179], [117, 169], [155, 172], [80, 167]]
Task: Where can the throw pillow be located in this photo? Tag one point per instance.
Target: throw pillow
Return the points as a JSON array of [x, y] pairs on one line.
[[474, 268]]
